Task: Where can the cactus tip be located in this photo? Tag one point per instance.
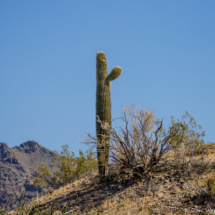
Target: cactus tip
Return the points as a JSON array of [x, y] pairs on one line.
[[100, 52]]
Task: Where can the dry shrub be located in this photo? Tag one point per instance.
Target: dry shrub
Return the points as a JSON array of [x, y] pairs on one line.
[[211, 185], [146, 146]]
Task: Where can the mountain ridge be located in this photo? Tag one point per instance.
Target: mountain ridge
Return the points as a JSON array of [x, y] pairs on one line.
[[17, 165]]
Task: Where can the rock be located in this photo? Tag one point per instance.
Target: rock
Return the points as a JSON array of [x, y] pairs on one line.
[[160, 195], [29, 185], [119, 188], [6, 155], [161, 178], [181, 187], [30, 146], [165, 182], [174, 189]]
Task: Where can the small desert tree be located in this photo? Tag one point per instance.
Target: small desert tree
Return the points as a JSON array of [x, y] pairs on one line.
[[190, 135], [71, 168], [145, 146]]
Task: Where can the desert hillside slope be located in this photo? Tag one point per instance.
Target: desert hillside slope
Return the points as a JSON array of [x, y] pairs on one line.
[[159, 192]]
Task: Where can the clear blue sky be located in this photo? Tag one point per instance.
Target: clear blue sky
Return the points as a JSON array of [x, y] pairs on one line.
[[166, 50]]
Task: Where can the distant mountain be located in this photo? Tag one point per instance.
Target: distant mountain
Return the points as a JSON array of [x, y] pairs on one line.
[[17, 166]]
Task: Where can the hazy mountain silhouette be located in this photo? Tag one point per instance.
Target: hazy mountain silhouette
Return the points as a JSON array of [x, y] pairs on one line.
[[17, 166]]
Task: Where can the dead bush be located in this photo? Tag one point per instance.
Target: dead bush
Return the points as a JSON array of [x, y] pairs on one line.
[[147, 146]]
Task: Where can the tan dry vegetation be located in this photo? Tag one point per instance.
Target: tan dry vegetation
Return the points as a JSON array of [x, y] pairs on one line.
[[157, 174], [157, 193]]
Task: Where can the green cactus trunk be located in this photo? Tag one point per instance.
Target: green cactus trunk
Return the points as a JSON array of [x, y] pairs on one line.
[[103, 109]]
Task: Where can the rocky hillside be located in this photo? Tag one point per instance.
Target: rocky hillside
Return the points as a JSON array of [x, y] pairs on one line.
[[163, 191], [17, 166]]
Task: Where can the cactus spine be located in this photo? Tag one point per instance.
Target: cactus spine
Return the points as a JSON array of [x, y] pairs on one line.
[[103, 109]]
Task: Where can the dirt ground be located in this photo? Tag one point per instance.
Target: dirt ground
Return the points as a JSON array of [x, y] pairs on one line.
[[157, 193]]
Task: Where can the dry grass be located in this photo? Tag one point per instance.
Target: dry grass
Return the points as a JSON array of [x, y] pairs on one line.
[[157, 193], [148, 175]]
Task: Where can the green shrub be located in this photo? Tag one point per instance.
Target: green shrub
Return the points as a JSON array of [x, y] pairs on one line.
[[210, 183], [71, 168]]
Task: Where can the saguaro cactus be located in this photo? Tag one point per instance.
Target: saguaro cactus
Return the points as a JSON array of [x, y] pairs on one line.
[[103, 109]]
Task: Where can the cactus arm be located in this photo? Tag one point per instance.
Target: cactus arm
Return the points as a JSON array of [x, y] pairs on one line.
[[115, 73]]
